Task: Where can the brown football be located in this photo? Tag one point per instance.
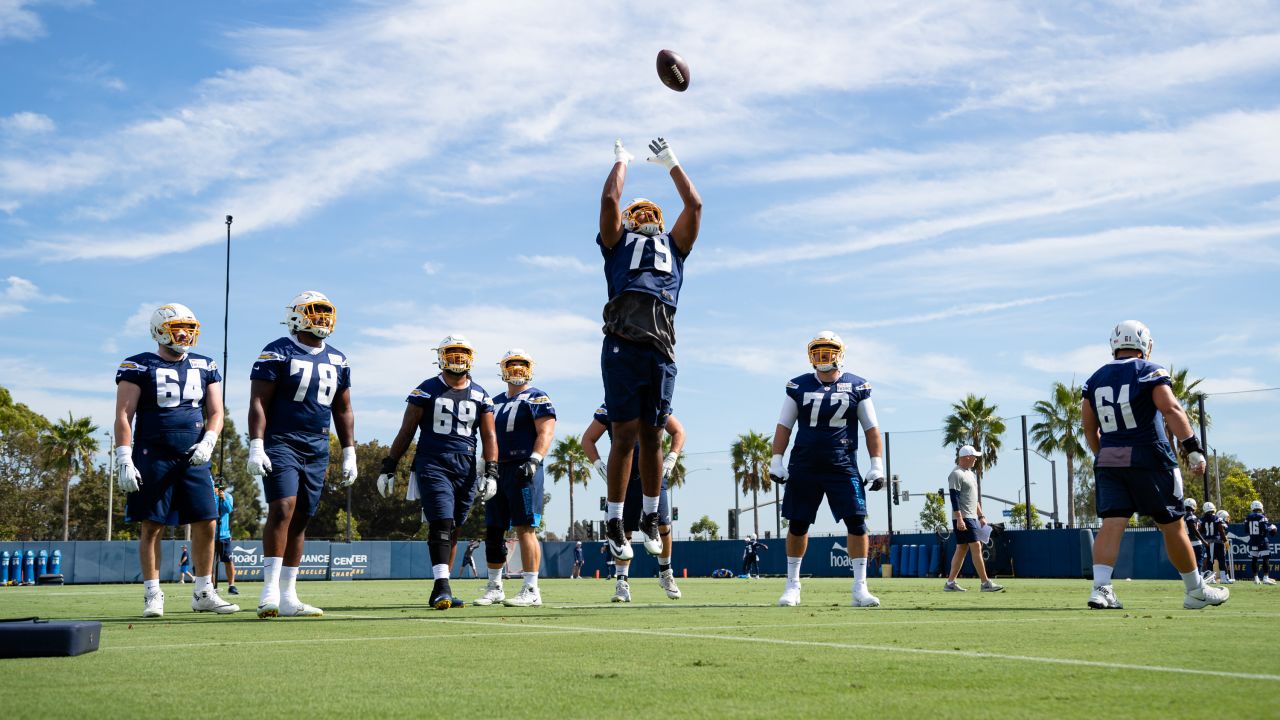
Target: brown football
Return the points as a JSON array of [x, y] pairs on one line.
[[673, 70]]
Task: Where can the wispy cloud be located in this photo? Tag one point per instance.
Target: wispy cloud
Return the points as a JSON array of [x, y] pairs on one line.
[[26, 123], [954, 311], [566, 263], [20, 293]]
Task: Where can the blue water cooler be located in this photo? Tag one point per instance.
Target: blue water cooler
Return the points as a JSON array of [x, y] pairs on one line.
[[29, 569], [4, 568], [42, 563], [55, 562], [15, 568]]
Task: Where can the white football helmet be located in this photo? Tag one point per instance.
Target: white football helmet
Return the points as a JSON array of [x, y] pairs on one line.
[[311, 312], [1132, 335], [752, 537], [1224, 515], [175, 327], [454, 354], [643, 216], [1208, 507], [1189, 504], [1256, 506], [516, 367], [826, 351]]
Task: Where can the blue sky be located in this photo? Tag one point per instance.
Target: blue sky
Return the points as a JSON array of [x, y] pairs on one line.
[[971, 193]]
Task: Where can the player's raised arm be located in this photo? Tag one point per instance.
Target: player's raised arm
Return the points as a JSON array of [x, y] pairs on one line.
[[590, 436], [611, 197], [685, 232], [675, 429]]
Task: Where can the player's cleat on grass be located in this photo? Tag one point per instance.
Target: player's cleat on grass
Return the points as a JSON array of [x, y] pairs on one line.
[[442, 596], [863, 598], [1268, 581], [790, 596], [951, 586], [619, 546], [527, 597], [268, 610], [1229, 581], [1205, 596], [667, 580], [231, 590], [153, 604], [992, 586], [493, 593], [652, 539], [299, 609], [1104, 597], [209, 601], [621, 592], [1257, 580]]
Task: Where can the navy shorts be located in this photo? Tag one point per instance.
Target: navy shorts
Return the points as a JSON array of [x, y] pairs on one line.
[[298, 467], [518, 502], [1259, 549], [634, 503], [446, 485], [803, 494], [969, 534], [1154, 492], [639, 381], [172, 491], [224, 550]]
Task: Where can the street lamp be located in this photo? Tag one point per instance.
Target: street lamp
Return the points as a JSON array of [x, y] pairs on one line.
[[1053, 470], [111, 481]]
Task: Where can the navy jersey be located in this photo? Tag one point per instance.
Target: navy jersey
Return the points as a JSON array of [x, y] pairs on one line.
[[640, 263], [449, 415], [826, 414], [1132, 428], [307, 379], [514, 420], [1214, 530], [1258, 527], [1193, 526], [172, 398]]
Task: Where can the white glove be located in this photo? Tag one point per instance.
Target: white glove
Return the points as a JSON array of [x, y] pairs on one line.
[[601, 469], [127, 476], [620, 154], [1197, 462], [487, 481], [259, 464], [875, 475], [662, 154], [349, 470], [777, 471], [386, 485], [203, 450], [669, 464]]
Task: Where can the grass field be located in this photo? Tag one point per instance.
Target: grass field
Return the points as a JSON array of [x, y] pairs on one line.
[[724, 650]]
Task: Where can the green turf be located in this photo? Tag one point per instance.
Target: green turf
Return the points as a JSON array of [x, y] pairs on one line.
[[724, 650]]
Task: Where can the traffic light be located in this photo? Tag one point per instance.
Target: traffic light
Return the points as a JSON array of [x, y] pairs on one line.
[[897, 484], [733, 524], [675, 514], [604, 504]]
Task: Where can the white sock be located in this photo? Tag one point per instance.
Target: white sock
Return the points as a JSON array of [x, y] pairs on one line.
[[289, 583], [441, 571], [793, 570], [650, 504], [1192, 580], [1102, 575], [203, 582], [530, 579], [622, 570], [150, 586], [271, 579], [664, 560], [615, 510], [859, 571], [495, 575]]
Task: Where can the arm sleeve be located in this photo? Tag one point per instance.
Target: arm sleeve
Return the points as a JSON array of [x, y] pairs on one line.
[[867, 415], [955, 500], [790, 411]]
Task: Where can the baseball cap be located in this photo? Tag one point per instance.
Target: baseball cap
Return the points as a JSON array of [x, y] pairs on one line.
[[967, 451]]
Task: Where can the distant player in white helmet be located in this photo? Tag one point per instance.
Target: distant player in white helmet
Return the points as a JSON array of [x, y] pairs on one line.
[[299, 383], [1215, 540], [1192, 521], [1260, 532], [1135, 471]]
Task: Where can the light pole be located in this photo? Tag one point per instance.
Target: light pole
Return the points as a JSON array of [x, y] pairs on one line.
[[111, 481], [1053, 471]]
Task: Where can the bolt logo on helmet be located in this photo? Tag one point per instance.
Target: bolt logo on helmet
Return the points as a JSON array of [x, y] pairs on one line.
[[455, 355], [516, 367], [1132, 335], [643, 216], [174, 326], [1189, 503], [1256, 506], [311, 312], [1208, 507], [826, 351]]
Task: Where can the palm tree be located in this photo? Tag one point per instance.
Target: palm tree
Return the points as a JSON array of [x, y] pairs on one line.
[[67, 447], [1188, 396], [677, 476], [750, 455], [1059, 430], [569, 460], [974, 422]]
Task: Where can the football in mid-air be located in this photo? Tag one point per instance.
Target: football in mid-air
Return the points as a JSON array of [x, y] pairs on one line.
[[673, 70]]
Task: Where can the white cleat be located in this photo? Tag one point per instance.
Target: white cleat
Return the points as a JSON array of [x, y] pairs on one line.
[[493, 593], [667, 580], [268, 609], [653, 545], [863, 598], [951, 586], [299, 609], [790, 596], [208, 600], [621, 592], [527, 597], [992, 586], [1268, 581], [1104, 598], [1205, 596], [153, 604]]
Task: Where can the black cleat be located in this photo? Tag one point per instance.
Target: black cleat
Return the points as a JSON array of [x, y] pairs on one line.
[[649, 526], [442, 596], [619, 546]]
